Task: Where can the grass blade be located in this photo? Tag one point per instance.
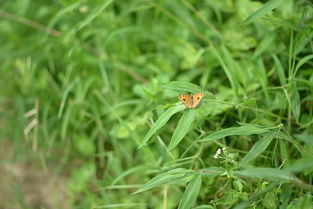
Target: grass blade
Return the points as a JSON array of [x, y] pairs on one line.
[[273, 174], [162, 120], [182, 127], [295, 101], [95, 13], [184, 86], [191, 193], [64, 97], [264, 45], [258, 148], [269, 6], [240, 131], [280, 70], [164, 179], [302, 62], [212, 171]]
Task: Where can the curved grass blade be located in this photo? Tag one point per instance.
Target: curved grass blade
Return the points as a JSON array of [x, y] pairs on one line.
[[64, 97], [258, 148], [164, 178], [162, 120], [136, 169], [182, 127], [302, 62], [268, 173], [95, 13], [241, 131], [191, 192], [269, 6], [185, 86]]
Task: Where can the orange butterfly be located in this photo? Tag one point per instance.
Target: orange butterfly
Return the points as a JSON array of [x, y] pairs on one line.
[[191, 101]]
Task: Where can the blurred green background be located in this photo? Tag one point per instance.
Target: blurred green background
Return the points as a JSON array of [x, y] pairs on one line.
[[90, 114]]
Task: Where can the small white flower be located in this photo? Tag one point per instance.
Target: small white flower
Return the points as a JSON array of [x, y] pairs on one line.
[[224, 149], [215, 156], [219, 151]]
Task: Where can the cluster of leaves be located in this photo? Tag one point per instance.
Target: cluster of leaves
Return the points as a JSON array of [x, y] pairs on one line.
[[92, 88]]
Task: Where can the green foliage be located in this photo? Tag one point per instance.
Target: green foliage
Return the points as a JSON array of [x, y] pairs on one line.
[[89, 95]]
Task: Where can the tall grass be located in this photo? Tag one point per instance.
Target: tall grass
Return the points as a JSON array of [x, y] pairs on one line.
[[89, 95]]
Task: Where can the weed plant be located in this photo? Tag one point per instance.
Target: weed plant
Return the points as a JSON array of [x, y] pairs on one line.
[[89, 95]]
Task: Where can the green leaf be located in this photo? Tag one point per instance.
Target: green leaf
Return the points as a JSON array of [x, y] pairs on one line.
[[205, 207], [267, 173], [212, 171], [258, 148], [302, 62], [64, 97], [185, 86], [295, 101], [162, 120], [300, 164], [182, 127], [164, 178], [191, 192], [96, 12], [264, 45], [301, 202], [269, 6], [280, 70], [241, 131]]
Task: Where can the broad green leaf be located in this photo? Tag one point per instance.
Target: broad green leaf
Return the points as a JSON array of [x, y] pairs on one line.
[[240, 131], [164, 179], [191, 192], [184, 86], [267, 7], [273, 174], [162, 120], [182, 127], [258, 148]]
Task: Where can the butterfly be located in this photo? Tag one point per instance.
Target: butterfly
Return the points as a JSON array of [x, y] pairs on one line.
[[191, 101]]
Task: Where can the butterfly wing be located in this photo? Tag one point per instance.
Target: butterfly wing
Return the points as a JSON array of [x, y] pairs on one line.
[[196, 99], [186, 100]]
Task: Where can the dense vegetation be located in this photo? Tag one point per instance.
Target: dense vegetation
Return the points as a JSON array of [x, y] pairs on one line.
[[89, 106]]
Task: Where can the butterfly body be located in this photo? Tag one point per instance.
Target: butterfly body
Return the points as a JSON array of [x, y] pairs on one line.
[[191, 101]]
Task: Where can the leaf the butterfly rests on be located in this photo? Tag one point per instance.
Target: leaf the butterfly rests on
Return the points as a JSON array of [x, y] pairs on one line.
[[191, 101]]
